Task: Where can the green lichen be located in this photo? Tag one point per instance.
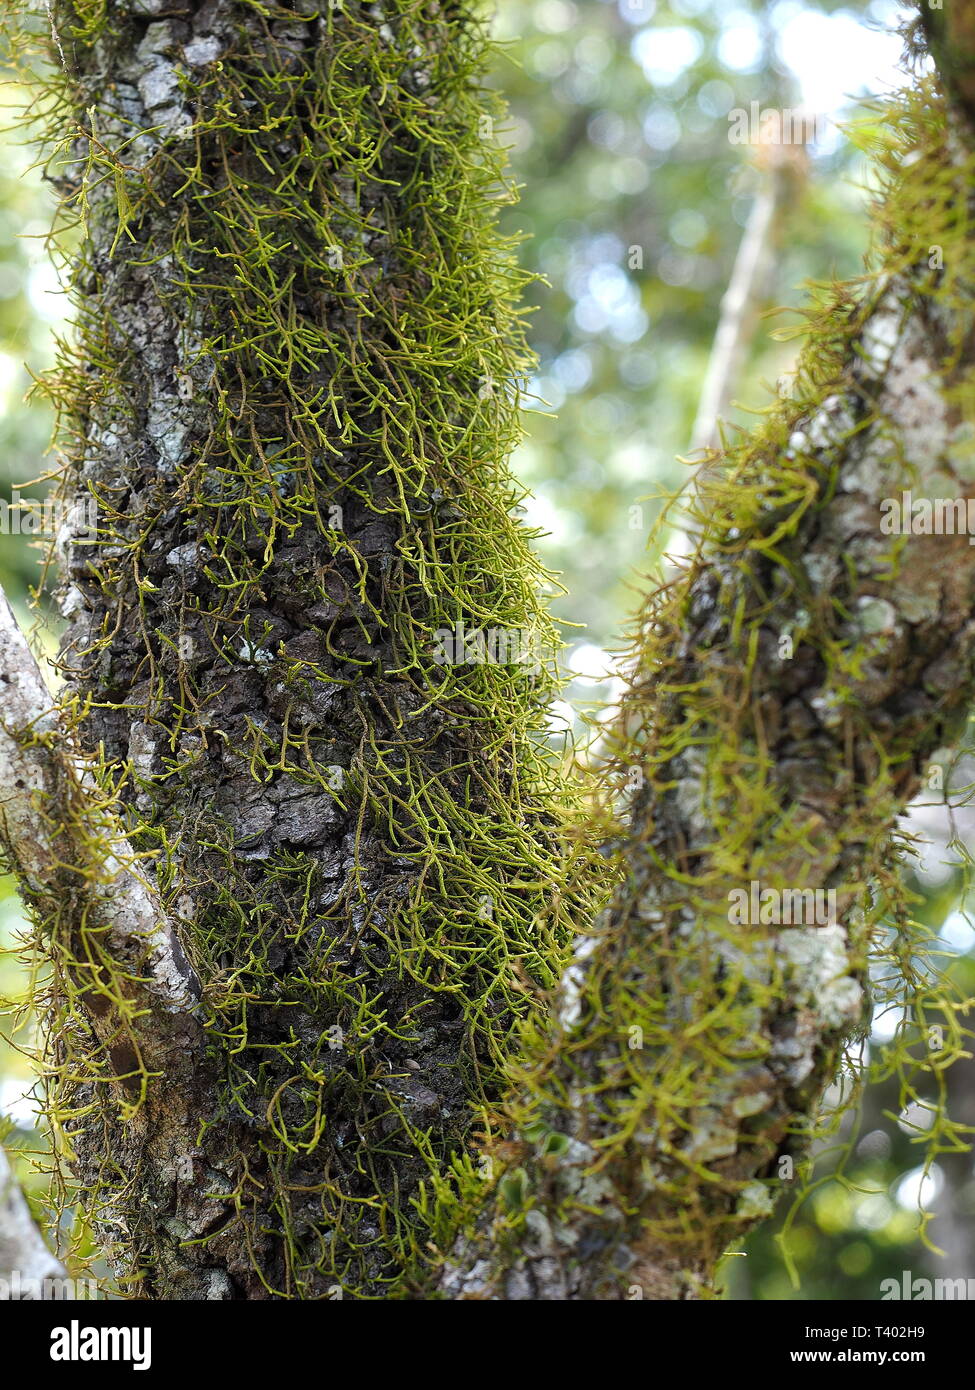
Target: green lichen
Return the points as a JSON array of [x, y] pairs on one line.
[[699, 1051], [318, 220], [323, 230]]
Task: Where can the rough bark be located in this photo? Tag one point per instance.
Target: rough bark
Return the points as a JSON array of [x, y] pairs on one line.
[[291, 402], [629, 1171], [293, 396]]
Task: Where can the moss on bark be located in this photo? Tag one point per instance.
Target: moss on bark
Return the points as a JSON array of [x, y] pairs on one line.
[[292, 393]]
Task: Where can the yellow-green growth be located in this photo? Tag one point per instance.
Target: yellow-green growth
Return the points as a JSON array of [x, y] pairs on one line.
[[292, 390], [790, 686]]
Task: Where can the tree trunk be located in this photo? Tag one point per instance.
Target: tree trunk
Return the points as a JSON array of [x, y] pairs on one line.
[[294, 394], [307, 658]]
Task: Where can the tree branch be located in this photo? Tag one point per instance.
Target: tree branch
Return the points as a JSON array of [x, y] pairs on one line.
[[25, 1259], [778, 167], [791, 689], [951, 37], [75, 865]]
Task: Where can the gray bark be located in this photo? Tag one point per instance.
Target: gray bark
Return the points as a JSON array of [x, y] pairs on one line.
[[26, 1264], [198, 637], [843, 751], [197, 640]]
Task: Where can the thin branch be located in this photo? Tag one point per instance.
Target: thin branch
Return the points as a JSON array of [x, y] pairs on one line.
[[65, 844], [25, 1261], [738, 311], [782, 168]]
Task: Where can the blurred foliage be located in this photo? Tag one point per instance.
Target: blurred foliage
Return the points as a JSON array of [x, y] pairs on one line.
[[29, 312], [611, 161], [634, 202], [858, 1223], [30, 304], [30, 315]]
